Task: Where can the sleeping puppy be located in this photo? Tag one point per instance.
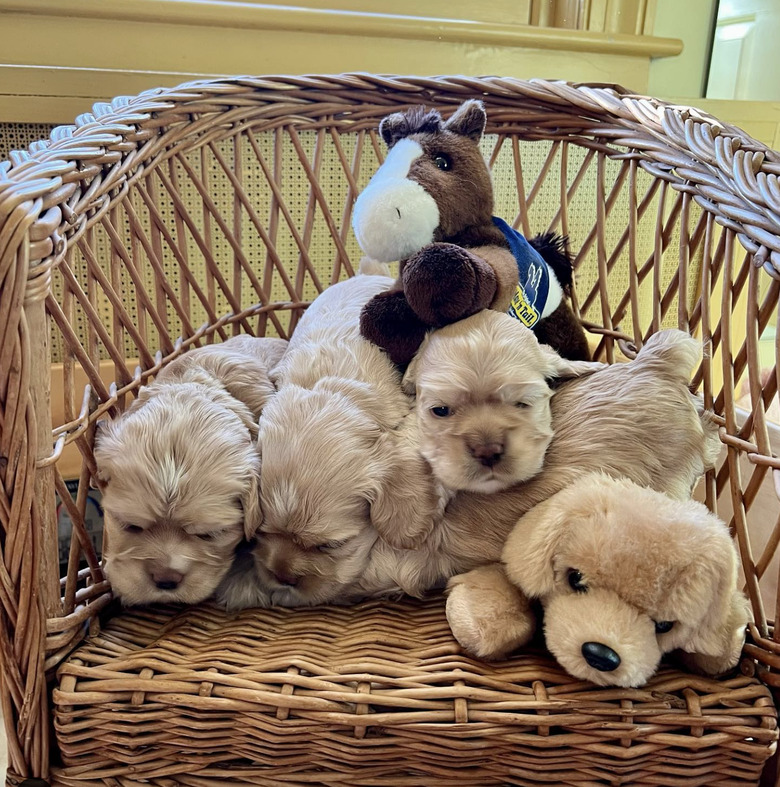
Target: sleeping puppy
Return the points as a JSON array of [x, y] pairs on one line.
[[636, 420], [179, 472], [483, 401], [340, 461]]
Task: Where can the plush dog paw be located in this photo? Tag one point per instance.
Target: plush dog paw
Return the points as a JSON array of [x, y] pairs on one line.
[[444, 283], [388, 321], [488, 615]]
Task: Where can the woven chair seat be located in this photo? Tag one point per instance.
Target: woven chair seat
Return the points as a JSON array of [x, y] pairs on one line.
[[380, 694]]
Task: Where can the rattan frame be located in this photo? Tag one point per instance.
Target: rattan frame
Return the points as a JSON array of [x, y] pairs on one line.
[[53, 195]]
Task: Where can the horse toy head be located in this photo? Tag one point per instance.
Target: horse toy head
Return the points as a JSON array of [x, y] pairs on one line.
[[430, 207], [433, 185]]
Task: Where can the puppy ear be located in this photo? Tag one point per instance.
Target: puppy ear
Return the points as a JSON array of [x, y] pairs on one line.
[[253, 512], [104, 432], [711, 586], [403, 500], [409, 381], [361, 394], [245, 378], [530, 549], [558, 368], [469, 120]]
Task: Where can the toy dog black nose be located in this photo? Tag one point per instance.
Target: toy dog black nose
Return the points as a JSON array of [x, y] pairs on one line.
[[600, 657], [487, 455]]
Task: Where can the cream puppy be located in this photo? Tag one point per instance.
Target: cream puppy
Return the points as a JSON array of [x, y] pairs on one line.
[[179, 472], [340, 461], [483, 401], [636, 420]]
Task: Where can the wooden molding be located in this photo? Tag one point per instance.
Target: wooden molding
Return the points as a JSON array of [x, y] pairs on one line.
[[60, 57], [244, 15]]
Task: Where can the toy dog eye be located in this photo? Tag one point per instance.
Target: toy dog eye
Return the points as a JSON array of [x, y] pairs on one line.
[[575, 581], [133, 529], [441, 412], [662, 626], [521, 405], [205, 536], [443, 162]]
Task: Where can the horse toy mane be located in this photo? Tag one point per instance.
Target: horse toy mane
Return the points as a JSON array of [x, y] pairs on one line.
[[430, 206]]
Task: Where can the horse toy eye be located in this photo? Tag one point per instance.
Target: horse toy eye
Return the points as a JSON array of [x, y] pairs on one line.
[[575, 581], [443, 162], [662, 626], [440, 412]]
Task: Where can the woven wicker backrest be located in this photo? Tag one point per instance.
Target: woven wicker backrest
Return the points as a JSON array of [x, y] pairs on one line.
[[186, 215]]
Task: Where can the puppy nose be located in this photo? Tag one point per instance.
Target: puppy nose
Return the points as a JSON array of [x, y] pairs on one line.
[[286, 578], [167, 578], [487, 454], [600, 657]]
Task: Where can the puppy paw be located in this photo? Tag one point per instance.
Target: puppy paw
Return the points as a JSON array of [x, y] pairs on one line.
[[389, 322], [444, 283], [489, 616]]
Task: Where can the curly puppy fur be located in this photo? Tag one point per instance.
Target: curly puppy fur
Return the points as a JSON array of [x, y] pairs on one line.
[[637, 420], [179, 472], [338, 443], [483, 389]]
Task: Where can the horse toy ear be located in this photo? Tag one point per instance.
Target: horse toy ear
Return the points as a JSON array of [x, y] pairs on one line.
[[416, 120], [469, 120]]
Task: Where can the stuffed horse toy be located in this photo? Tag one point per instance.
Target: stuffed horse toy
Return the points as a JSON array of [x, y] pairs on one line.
[[430, 205]]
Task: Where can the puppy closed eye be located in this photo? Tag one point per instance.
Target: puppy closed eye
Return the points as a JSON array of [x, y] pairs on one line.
[[441, 411], [330, 546], [662, 626], [132, 529], [522, 405], [576, 582], [210, 536]]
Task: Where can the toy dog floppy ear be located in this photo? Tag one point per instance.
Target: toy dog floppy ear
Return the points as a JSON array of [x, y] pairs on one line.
[[715, 643], [626, 574], [430, 207]]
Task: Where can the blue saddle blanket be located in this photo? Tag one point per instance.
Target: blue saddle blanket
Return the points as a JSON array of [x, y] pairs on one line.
[[533, 288]]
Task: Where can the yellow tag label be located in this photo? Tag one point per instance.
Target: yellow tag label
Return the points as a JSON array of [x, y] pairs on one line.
[[522, 310]]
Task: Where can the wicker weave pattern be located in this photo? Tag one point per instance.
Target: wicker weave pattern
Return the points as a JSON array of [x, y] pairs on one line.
[[673, 213], [317, 697]]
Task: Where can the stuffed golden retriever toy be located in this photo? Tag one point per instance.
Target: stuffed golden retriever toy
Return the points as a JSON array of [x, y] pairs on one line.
[[624, 574]]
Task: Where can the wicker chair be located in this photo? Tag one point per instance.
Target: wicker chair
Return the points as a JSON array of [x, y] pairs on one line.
[[185, 215]]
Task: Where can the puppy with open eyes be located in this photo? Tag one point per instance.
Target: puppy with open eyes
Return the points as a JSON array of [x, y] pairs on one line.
[[340, 461], [483, 389], [179, 472]]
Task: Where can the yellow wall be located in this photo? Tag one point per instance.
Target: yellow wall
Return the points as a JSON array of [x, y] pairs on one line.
[[58, 57], [683, 75]]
